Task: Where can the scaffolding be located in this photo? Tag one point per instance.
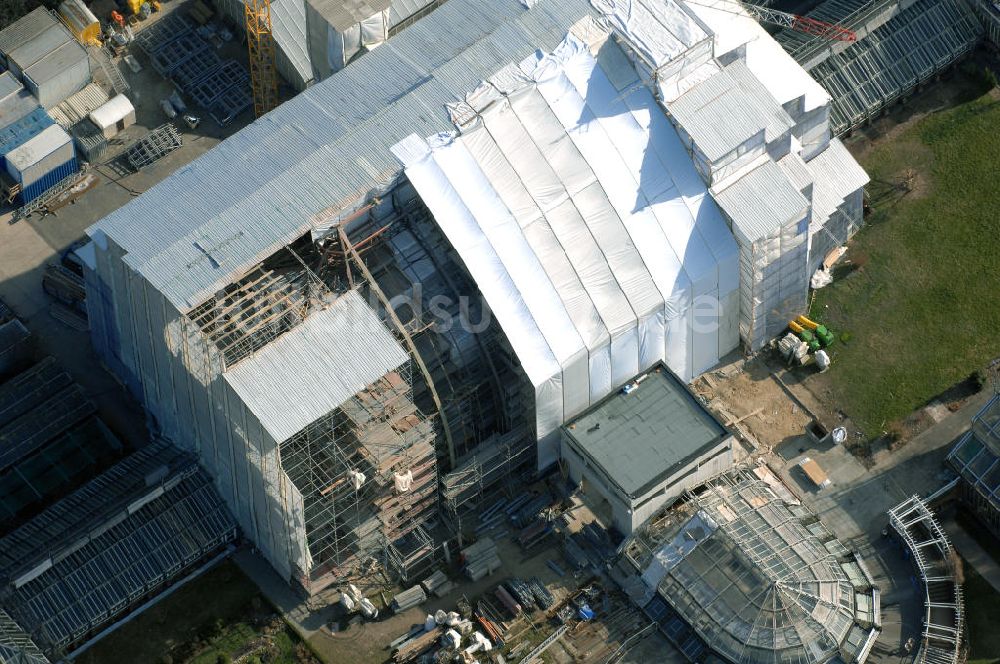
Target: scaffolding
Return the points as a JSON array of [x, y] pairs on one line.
[[367, 473], [935, 560]]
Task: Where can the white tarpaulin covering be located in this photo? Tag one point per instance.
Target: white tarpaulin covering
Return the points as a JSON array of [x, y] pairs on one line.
[[577, 211]]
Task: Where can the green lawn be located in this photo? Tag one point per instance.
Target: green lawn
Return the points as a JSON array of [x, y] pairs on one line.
[[219, 613], [920, 311]]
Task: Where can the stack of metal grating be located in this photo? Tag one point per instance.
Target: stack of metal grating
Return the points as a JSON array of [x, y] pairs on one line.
[[221, 87]]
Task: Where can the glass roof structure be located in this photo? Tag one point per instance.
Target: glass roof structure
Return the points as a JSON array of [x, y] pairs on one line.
[[755, 579]]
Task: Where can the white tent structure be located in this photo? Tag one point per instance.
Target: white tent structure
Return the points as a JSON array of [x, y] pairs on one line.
[[573, 203]]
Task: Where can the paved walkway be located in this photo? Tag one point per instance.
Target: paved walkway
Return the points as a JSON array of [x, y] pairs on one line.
[[975, 555]]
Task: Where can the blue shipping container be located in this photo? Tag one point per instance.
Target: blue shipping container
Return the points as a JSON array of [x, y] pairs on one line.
[[49, 180], [20, 131]]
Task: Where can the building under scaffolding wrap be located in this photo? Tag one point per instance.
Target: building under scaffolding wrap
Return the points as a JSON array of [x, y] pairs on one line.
[[744, 573], [384, 298]]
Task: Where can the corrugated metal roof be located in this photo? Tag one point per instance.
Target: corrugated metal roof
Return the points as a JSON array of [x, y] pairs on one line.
[[344, 14], [728, 109], [326, 148], [796, 170], [400, 10], [54, 63], [761, 202], [79, 105], [836, 174], [25, 29], [41, 45], [8, 86], [318, 365]]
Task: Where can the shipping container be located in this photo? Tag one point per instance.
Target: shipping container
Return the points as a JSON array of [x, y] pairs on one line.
[[17, 133], [23, 31], [45, 159], [31, 52], [114, 116], [10, 87], [80, 21], [59, 74], [47, 181]]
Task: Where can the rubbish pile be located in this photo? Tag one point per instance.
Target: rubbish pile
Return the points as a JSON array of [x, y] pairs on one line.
[[806, 337]]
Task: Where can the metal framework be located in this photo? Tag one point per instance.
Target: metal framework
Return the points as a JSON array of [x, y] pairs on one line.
[[976, 458], [741, 572], [934, 558], [260, 43], [156, 144], [893, 60], [367, 473]]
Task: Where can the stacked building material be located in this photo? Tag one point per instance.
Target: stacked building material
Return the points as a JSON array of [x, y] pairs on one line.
[[438, 584], [520, 591], [534, 534], [526, 513], [480, 559], [409, 650], [409, 598], [65, 286], [542, 595], [508, 601]]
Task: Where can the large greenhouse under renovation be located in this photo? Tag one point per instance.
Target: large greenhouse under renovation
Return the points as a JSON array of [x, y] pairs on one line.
[[901, 45], [742, 571], [386, 296]]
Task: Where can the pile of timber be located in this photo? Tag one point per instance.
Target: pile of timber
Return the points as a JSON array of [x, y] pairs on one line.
[[408, 599], [409, 650], [480, 559]]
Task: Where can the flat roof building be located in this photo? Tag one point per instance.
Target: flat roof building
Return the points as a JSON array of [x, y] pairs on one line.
[[644, 445]]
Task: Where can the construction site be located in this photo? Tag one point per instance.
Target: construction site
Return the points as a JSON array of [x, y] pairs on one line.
[[464, 345]]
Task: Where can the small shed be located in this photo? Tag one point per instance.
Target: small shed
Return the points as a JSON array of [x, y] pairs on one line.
[[58, 74], [80, 21], [41, 162], [114, 116]]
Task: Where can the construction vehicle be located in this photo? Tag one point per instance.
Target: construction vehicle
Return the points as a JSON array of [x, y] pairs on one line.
[[260, 43], [804, 24]]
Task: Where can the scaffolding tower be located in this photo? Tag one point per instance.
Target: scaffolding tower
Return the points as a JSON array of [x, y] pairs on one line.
[[935, 560]]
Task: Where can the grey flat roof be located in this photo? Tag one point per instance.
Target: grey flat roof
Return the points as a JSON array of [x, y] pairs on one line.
[[646, 435]]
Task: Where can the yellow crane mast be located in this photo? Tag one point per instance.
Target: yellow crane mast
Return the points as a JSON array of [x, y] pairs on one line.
[[260, 42]]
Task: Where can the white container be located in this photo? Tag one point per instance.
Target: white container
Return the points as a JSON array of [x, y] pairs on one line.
[[59, 74], [40, 155], [113, 116]]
